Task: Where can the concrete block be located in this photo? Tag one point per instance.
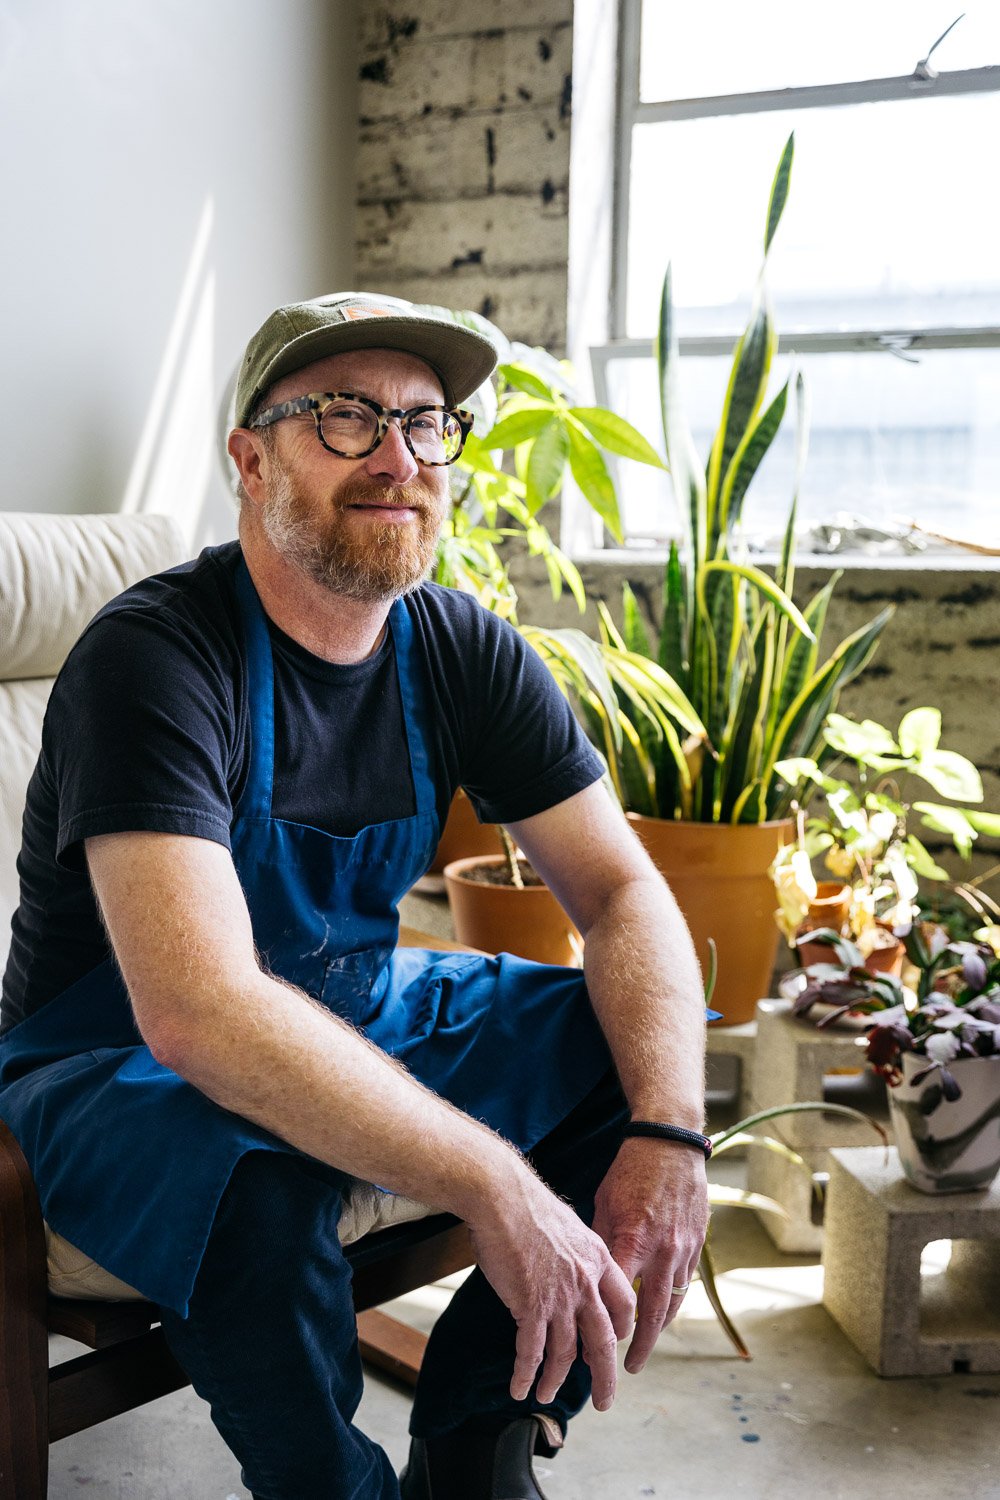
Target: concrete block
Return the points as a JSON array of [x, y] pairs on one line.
[[739, 1042], [790, 1185], [793, 1058], [876, 1228]]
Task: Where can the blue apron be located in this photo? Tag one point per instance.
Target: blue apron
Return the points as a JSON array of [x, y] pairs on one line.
[[130, 1160]]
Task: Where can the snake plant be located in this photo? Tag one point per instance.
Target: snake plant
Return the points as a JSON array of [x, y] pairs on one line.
[[741, 659]]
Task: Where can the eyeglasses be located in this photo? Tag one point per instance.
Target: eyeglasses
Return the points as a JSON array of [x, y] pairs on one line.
[[352, 426]]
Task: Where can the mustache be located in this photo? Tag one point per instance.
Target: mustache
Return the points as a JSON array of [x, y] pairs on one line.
[[363, 491]]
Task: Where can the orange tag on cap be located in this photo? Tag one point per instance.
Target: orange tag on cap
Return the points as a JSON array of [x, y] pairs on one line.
[[367, 312]]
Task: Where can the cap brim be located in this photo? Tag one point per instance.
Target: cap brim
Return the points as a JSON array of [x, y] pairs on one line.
[[461, 358]]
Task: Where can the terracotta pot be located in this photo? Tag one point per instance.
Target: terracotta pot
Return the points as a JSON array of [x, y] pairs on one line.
[[503, 919], [887, 958], [463, 835], [830, 908], [718, 875], [948, 1145]]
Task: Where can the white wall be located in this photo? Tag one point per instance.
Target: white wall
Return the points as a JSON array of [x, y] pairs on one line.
[[171, 171]]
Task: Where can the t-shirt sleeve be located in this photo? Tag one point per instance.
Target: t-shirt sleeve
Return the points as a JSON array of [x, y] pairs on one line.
[[529, 752], [139, 734]]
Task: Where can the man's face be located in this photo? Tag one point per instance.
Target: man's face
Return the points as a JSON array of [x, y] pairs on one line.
[[364, 528]]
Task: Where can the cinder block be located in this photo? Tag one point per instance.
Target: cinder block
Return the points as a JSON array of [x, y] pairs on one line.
[[876, 1228], [739, 1042], [792, 1059], [792, 1187]]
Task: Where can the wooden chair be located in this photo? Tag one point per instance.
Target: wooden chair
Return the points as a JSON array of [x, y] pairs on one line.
[[130, 1363]]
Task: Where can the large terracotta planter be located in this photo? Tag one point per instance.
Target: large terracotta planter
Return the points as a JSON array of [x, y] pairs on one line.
[[463, 835], [948, 1145], [718, 875], [503, 919]]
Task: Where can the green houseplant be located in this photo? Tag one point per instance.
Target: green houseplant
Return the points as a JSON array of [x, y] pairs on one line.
[[862, 826], [745, 680], [935, 1038]]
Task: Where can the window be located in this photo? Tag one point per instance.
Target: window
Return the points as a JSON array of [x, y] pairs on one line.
[[885, 273]]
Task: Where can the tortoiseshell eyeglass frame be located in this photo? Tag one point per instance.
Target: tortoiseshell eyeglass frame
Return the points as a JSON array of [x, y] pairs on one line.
[[317, 402]]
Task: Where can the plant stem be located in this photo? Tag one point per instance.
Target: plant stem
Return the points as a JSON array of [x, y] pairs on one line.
[[510, 853]]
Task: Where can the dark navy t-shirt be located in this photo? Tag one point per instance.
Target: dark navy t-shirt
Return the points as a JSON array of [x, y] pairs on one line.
[[147, 728]]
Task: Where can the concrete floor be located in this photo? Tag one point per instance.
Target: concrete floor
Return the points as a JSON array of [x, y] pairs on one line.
[[806, 1417]]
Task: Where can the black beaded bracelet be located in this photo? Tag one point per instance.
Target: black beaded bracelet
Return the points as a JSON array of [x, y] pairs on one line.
[[670, 1133]]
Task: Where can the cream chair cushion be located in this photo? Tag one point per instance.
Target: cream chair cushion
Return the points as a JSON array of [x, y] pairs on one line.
[[56, 572]]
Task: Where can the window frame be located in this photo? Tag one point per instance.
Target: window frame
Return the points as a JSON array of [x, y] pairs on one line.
[[631, 110]]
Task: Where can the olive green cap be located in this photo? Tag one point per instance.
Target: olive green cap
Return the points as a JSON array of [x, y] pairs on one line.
[[302, 332]]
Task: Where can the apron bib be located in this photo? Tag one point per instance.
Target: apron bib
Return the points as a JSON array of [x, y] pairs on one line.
[[130, 1160]]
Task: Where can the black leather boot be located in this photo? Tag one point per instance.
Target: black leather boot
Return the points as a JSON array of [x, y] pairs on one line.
[[466, 1465]]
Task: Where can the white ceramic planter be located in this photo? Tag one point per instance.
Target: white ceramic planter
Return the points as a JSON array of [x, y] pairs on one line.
[[948, 1146]]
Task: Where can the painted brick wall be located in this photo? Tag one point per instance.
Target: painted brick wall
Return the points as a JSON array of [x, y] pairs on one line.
[[463, 168]]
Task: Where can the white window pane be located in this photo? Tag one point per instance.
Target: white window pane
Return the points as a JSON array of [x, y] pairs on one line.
[[892, 218], [888, 439], [732, 47]]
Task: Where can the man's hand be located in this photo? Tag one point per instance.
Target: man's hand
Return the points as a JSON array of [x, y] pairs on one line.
[[652, 1213], [560, 1282]]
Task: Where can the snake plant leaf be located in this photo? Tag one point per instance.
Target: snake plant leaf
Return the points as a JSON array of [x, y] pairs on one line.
[[800, 659], [546, 463], [687, 477], [706, 1270], [765, 586], [519, 427], [524, 379], [747, 460], [802, 725], [779, 191], [744, 395], [672, 651], [657, 686], [636, 637], [800, 1107], [616, 435], [720, 1196], [591, 474], [769, 1142]]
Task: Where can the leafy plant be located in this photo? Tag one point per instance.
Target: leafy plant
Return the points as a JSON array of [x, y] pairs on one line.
[[537, 420], [749, 684], [720, 1196], [949, 1009], [860, 827]]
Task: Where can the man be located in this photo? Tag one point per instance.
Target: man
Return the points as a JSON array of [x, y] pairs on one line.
[[245, 765]]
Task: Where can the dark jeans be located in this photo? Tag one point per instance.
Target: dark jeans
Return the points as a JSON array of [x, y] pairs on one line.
[[270, 1340]]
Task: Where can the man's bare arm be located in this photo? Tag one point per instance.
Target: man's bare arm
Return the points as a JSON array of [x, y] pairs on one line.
[[181, 931], [646, 988]]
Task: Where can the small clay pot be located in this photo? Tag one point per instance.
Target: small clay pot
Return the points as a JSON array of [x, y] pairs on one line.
[[887, 957], [830, 908], [463, 835], [503, 919]]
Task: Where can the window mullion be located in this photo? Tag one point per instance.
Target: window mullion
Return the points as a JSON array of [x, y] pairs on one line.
[[819, 96]]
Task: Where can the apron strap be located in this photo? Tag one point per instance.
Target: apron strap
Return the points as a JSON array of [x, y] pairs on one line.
[[256, 799], [413, 692]]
